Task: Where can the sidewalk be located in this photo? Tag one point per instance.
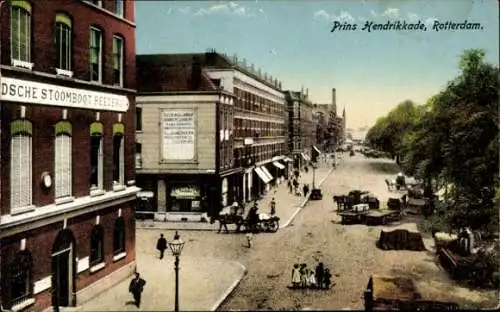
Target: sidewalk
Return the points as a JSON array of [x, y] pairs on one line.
[[287, 205], [204, 283]]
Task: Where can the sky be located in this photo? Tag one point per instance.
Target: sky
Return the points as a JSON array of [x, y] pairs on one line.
[[293, 42]]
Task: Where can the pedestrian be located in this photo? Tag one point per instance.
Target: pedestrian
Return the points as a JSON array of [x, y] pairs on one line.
[[303, 275], [249, 237], [295, 276], [161, 245], [327, 279], [312, 279], [253, 217], [319, 274], [273, 207], [136, 287], [306, 169], [305, 189], [290, 186]]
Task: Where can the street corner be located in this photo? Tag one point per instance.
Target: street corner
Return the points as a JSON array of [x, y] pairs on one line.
[[204, 284]]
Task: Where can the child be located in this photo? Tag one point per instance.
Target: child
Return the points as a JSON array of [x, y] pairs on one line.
[[327, 278], [312, 279], [303, 275], [295, 276], [249, 239]]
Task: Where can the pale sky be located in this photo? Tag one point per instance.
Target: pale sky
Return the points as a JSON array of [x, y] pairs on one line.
[[292, 41]]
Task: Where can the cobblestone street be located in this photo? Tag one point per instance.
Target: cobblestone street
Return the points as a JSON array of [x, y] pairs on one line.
[[348, 250]]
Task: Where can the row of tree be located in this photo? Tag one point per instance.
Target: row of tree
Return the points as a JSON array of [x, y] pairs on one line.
[[452, 141]]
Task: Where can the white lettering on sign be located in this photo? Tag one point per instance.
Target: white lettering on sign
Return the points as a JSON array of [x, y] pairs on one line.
[[17, 90], [179, 132]]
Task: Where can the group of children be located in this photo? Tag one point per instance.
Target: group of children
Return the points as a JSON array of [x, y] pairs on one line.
[[303, 277]]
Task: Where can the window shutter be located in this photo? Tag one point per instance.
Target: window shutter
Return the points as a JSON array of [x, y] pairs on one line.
[[63, 166], [15, 172], [21, 178]]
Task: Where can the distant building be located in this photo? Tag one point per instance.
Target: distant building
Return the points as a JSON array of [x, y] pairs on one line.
[[67, 226]]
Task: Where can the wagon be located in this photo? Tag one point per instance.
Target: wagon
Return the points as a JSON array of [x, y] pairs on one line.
[[267, 223], [381, 216], [386, 293]]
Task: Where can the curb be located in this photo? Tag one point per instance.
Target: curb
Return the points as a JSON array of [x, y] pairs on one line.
[[233, 286], [304, 203]]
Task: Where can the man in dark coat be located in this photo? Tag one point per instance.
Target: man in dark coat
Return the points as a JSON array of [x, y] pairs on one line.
[[253, 217], [161, 245], [305, 189], [136, 287]]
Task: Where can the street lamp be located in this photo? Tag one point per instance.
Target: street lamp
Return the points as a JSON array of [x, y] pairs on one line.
[[176, 247]]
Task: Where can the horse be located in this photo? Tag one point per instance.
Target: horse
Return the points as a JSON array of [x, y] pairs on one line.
[[225, 219]]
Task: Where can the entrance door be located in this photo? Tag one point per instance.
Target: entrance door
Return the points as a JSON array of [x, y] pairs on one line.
[[62, 283]]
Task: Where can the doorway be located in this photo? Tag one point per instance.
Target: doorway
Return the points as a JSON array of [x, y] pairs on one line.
[[63, 270]]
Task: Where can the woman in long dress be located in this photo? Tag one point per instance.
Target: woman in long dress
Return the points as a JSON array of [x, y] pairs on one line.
[[295, 276]]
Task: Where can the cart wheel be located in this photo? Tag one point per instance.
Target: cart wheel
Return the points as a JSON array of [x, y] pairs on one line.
[[265, 226], [274, 226]]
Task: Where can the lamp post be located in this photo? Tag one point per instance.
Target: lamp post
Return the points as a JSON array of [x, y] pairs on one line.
[[176, 246]]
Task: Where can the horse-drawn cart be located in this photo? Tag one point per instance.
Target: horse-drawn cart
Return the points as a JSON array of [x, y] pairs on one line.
[[264, 222]]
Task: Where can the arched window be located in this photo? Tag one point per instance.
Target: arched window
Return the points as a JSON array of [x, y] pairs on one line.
[[64, 42], [119, 236], [20, 165], [20, 24], [63, 160], [20, 281], [96, 245], [118, 156]]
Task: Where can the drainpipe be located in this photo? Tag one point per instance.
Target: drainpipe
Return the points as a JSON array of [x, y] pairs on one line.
[[1, 112]]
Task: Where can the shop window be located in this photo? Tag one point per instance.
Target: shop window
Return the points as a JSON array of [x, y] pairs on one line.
[[138, 155], [21, 165], [20, 281], [119, 236], [96, 245], [118, 60], [63, 40], [21, 33], [63, 160], [95, 55]]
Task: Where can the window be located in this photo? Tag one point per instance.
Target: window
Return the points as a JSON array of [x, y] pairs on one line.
[[118, 155], [20, 278], [95, 55], [118, 61], [96, 159], [119, 236], [96, 2], [96, 245], [20, 165], [63, 160], [138, 155], [21, 31], [119, 7], [63, 41], [138, 119]]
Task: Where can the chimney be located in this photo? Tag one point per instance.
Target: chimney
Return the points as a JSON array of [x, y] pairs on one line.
[[210, 56], [334, 101], [196, 74]]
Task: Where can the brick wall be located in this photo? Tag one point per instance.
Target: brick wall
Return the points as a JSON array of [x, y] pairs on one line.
[[43, 52], [39, 242]]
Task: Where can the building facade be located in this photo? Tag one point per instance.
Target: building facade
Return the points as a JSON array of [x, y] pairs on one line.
[[301, 128], [184, 137], [67, 228], [239, 130]]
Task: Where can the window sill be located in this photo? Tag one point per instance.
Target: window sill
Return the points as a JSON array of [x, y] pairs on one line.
[[97, 267], [64, 72], [22, 64], [98, 192], [64, 200], [119, 256], [23, 305], [118, 188], [18, 211]]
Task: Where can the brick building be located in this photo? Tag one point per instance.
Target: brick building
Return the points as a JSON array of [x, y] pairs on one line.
[[301, 128], [237, 135], [67, 228]]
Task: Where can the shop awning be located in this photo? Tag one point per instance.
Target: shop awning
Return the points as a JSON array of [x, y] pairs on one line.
[[267, 173], [287, 159], [262, 175], [306, 158], [316, 149], [278, 165]]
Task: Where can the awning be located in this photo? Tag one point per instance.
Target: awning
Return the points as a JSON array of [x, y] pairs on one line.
[[267, 173], [262, 175], [287, 159], [306, 158], [317, 150], [278, 165]]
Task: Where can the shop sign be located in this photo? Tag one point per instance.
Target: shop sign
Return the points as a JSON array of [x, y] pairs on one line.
[[185, 191], [30, 92]]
